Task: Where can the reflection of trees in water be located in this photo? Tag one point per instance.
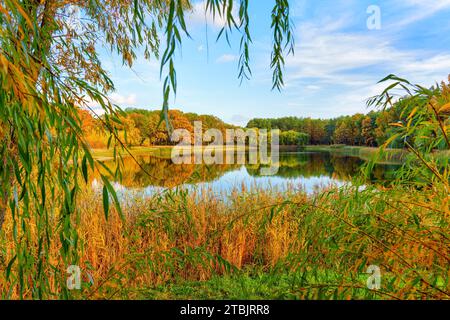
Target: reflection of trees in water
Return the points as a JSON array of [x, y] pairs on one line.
[[344, 168], [302, 165], [164, 173], [323, 164]]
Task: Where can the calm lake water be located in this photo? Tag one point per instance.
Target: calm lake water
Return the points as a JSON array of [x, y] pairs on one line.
[[306, 171]]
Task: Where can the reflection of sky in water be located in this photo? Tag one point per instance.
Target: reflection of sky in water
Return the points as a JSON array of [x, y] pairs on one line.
[[237, 180], [301, 171], [240, 178]]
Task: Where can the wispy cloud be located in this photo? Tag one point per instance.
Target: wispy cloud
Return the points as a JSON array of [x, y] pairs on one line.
[[418, 10], [348, 64], [312, 87], [127, 100], [121, 100], [239, 119], [225, 58], [350, 58]]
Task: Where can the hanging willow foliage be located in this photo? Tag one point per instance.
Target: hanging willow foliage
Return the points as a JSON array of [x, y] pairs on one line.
[[50, 67]]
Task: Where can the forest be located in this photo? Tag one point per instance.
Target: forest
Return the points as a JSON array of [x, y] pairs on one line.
[[371, 130], [142, 128]]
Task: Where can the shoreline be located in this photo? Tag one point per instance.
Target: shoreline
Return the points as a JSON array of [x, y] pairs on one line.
[[164, 152], [390, 156]]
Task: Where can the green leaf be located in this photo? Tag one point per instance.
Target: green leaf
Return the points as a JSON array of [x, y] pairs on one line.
[[113, 193], [8, 268], [105, 202], [84, 169]]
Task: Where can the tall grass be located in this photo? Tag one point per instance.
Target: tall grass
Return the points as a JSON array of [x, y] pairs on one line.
[[323, 244]]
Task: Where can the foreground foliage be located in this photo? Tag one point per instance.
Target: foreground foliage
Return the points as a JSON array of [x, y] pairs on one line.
[[49, 67], [291, 244]]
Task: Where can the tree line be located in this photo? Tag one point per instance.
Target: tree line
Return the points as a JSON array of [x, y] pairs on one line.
[[372, 129], [139, 127]]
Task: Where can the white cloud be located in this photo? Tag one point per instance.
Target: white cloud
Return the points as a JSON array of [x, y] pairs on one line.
[[123, 100], [346, 58], [348, 65], [226, 58], [199, 16], [433, 68], [312, 87], [239, 119], [418, 10], [115, 98]]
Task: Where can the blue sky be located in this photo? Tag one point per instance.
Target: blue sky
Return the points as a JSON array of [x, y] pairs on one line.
[[336, 67]]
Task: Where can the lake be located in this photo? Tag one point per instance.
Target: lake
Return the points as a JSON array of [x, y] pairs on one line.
[[307, 171]]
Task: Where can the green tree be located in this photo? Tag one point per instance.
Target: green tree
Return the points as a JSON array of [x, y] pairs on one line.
[[144, 124], [293, 138]]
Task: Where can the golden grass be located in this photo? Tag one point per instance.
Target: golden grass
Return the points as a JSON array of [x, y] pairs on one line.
[[194, 236], [153, 229]]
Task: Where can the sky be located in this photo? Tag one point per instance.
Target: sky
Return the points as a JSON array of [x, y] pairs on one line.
[[338, 60]]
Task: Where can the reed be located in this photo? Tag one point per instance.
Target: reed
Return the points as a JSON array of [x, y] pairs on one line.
[[322, 244]]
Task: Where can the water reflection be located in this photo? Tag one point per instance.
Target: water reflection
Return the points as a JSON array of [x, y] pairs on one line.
[[306, 170]]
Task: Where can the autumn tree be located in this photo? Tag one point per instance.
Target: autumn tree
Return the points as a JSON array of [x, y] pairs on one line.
[[356, 125], [382, 126], [317, 133], [343, 133], [368, 131], [142, 124]]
